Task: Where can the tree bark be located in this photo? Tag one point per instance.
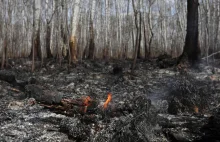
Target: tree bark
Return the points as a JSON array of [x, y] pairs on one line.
[[48, 50], [4, 52], [91, 30], [91, 42], [139, 38], [151, 35], [191, 51], [48, 33], [217, 27], [107, 30], [73, 43], [36, 49], [138, 32], [36, 30], [3, 36]]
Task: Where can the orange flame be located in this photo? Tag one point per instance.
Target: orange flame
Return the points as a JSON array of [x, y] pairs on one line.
[[107, 101], [86, 103]]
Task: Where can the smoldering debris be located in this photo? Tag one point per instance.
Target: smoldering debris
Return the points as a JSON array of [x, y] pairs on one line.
[[95, 101]]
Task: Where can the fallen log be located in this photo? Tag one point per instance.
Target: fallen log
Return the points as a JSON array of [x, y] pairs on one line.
[[43, 96]]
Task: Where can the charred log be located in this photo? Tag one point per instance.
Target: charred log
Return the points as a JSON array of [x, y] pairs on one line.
[[43, 96]]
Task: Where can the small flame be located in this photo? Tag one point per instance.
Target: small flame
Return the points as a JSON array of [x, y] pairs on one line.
[[86, 103], [107, 101]]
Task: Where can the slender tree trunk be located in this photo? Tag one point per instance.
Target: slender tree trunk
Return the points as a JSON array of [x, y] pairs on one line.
[[107, 23], [146, 55], [191, 50], [59, 30], [48, 32], [73, 41], [150, 26], [33, 52], [64, 26], [217, 27], [139, 38], [3, 34], [207, 28], [91, 42], [36, 49], [137, 44], [91, 31], [4, 46], [48, 36]]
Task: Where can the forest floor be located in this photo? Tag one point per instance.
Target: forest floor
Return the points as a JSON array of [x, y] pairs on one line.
[[152, 104]]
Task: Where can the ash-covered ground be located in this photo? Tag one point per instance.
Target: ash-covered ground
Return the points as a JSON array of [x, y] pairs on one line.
[[153, 104]]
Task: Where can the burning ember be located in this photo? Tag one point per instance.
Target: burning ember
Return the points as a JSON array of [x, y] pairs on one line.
[[86, 103], [196, 109], [107, 101]]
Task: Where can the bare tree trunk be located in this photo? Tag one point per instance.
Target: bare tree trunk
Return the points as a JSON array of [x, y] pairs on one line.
[[4, 46], [151, 2], [91, 31], [146, 54], [191, 50], [107, 22], [48, 36], [139, 38], [48, 32], [3, 34], [217, 27], [73, 42], [207, 31], [64, 28], [36, 49], [59, 30], [137, 42]]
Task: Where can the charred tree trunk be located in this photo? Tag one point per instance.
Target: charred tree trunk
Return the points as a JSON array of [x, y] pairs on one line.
[[48, 36], [32, 55], [146, 55], [139, 38], [106, 53], [36, 47], [91, 31], [64, 41], [91, 42], [36, 31], [191, 51], [4, 53], [49, 29]]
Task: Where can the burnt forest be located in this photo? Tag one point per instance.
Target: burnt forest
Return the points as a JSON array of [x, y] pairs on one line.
[[109, 71]]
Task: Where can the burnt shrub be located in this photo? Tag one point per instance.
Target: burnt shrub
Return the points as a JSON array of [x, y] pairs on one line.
[[188, 95]]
